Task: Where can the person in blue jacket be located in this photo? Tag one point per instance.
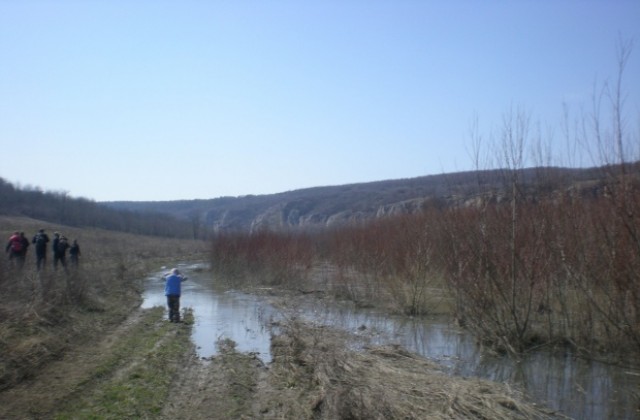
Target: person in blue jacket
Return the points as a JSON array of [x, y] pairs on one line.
[[172, 289]]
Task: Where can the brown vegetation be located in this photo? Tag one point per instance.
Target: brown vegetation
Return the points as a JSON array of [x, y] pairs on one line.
[[564, 271], [527, 257], [315, 375]]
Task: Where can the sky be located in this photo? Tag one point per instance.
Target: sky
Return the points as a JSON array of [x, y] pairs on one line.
[[166, 100]]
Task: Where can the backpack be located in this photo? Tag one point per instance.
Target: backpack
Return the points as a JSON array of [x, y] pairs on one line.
[[16, 244], [40, 240], [62, 245]]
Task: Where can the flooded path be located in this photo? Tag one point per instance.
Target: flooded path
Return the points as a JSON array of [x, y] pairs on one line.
[[577, 388], [240, 317]]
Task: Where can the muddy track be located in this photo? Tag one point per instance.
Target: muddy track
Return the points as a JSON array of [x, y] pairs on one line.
[[313, 375], [223, 387], [62, 379], [226, 386]]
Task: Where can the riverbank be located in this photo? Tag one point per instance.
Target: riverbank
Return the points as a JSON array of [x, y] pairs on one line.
[[147, 368], [138, 365]]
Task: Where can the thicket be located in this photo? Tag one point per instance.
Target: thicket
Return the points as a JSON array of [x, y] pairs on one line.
[[527, 263], [561, 268]]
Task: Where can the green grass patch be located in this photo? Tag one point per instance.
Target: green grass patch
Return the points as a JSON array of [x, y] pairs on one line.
[[135, 378]]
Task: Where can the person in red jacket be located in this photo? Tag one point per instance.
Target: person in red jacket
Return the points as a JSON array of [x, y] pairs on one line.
[[15, 247]]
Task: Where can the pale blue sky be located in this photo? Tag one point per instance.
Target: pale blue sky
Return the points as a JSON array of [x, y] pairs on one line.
[[164, 100]]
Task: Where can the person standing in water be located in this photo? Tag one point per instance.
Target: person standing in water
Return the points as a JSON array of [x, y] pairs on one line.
[[172, 290]]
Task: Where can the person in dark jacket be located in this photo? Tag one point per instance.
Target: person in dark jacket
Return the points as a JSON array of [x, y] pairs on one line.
[[40, 240], [172, 290], [60, 246], [22, 255], [74, 253]]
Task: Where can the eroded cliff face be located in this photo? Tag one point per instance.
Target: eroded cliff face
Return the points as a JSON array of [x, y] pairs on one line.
[[288, 215], [333, 212], [301, 214], [332, 206]]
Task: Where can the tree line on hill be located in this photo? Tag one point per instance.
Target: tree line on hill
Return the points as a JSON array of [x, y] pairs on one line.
[[307, 209], [59, 207], [341, 205]]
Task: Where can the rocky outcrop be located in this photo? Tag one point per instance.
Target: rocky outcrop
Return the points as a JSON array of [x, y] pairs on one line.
[[339, 205]]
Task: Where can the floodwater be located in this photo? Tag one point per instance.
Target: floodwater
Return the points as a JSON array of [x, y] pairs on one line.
[[575, 387]]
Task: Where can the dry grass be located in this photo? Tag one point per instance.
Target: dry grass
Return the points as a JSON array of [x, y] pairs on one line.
[[44, 313], [318, 377]]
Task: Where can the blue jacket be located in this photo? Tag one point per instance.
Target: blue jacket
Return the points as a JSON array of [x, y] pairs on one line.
[[172, 286]]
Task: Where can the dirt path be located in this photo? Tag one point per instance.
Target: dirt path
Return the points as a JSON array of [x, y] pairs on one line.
[[221, 388], [227, 386], [137, 371], [62, 379]]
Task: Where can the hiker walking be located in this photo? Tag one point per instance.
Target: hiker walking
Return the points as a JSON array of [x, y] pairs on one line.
[[15, 247], [40, 240], [74, 253], [172, 291], [23, 254], [54, 248], [60, 246]]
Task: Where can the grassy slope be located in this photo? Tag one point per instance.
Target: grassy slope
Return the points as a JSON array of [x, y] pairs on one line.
[[45, 314]]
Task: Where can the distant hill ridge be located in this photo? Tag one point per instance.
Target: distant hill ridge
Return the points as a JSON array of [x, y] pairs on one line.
[[336, 205], [59, 208]]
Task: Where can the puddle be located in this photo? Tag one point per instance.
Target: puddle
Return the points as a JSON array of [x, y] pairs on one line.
[[240, 317], [577, 388]]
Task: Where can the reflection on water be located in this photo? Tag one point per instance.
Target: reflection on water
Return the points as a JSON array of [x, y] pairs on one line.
[[239, 317], [577, 388]]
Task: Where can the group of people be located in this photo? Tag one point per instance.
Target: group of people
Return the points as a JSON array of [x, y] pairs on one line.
[[18, 245]]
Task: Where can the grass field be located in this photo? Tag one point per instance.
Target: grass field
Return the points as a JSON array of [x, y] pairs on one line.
[[43, 312]]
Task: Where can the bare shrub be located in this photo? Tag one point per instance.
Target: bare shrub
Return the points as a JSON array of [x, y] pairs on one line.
[[532, 263], [264, 257], [601, 264], [389, 262]]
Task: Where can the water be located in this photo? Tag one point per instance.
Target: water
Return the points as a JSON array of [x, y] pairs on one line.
[[577, 388], [237, 316]]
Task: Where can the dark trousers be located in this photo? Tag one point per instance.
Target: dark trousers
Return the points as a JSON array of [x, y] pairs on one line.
[[17, 258], [173, 302], [41, 259], [61, 259]]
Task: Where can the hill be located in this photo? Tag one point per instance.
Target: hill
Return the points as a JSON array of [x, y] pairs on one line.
[[308, 208], [59, 208], [337, 205]]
